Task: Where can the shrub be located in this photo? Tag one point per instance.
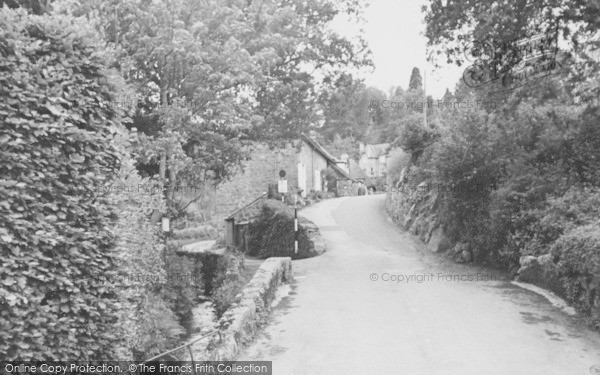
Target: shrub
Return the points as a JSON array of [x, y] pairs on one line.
[[510, 209], [146, 323], [230, 285], [158, 330], [214, 270], [193, 275], [330, 178], [272, 233], [185, 282], [57, 301], [398, 161], [578, 255], [200, 233], [466, 161], [527, 218], [317, 195], [414, 137]]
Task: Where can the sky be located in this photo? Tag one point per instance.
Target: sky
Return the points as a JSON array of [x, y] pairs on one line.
[[395, 30]]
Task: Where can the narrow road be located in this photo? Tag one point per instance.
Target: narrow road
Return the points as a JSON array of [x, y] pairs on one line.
[[347, 314]]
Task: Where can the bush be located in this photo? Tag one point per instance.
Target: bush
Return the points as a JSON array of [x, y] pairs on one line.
[[330, 178], [214, 270], [398, 161], [57, 301], [317, 195], [272, 234], [146, 323], [193, 275], [527, 218], [230, 284], [414, 137], [158, 330], [200, 233], [185, 282], [466, 161], [578, 255]]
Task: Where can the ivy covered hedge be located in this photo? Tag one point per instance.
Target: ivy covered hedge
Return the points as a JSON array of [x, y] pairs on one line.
[[272, 233], [57, 300]]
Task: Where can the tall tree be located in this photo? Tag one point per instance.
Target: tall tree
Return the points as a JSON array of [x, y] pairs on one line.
[[466, 31], [209, 73], [416, 81], [346, 109]]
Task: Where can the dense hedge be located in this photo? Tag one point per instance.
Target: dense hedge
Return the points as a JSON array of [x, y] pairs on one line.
[[272, 233], [56, 297]]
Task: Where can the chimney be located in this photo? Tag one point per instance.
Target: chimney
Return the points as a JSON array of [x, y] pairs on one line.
[[361, 148]]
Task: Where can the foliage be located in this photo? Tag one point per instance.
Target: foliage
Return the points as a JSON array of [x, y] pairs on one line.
[[464, 161], [330, 178], [209, 75], [272, 234], [578, 255], [34, 6], [452, 28], [414, 137], [416, 81], [159, 330], [339, 146], [317, 195], [398, 161], [185, 281], [146, 323], [536, 221], [230, 284], [347, 114], [225, 295], [202, 232], [58, 299]]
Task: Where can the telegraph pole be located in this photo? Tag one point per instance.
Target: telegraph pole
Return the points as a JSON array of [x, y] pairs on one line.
[[425, 103]]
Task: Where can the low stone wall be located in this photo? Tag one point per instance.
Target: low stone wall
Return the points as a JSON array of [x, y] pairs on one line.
[[416, 212], [240, 323]]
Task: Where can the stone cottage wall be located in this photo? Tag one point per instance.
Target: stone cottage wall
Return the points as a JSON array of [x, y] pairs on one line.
[[313, 161]]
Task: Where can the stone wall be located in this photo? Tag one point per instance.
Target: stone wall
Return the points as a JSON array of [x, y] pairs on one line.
[[313, 162], [240, 323], [415, 210]]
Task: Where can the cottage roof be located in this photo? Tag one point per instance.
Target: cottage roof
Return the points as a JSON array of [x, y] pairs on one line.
[[331, 161]]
